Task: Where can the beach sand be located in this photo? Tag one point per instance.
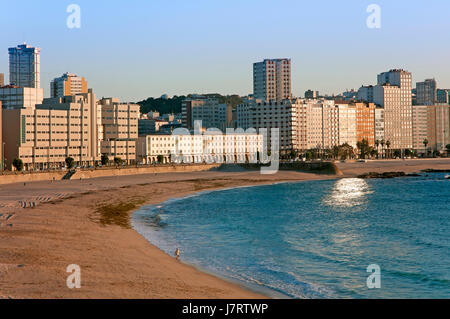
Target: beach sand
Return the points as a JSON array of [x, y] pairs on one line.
[[86, 222]]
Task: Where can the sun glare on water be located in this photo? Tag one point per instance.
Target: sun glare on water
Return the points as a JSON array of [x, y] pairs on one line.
[[348, 192]]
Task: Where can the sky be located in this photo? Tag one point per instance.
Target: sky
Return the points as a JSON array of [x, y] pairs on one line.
[[140, 48]]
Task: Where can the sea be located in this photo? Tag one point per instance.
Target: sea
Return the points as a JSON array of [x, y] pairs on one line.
[[344, 238]]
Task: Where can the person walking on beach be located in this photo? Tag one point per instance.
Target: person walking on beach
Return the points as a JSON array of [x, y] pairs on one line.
[[177, 253]]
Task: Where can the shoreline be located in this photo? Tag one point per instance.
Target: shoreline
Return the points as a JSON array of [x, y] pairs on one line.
[[36, 245]]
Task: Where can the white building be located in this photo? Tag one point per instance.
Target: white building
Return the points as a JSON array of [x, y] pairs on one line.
[[25, 66], [379, 124], [393, 93], [272, 79], [14, 97], [210, 147], [420, 127]]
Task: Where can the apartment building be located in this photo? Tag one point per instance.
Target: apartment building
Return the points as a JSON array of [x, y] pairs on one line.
[[2, 80], [272, 79], [42, 137], [365, 93], [119, 129], [442, 96], [431, 123], [68, 84], [365, 122], [393, 93], [310, 94], [379, 124], [426, 92], [14, 97], [210, 147], [421, 132], [25, 66], [212, 113], [150, 126], [282, 115]]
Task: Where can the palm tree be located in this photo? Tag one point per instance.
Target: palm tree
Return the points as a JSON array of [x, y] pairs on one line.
[[425, 143], [377, 144], [382, 148], [388, 144]]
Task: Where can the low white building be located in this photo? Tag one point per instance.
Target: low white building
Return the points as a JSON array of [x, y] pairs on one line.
[[210, 147]]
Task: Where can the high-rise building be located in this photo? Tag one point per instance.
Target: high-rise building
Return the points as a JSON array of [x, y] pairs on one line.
[[365, 122], [68, 84], [426, 92], [42, 137], [442, 96], [270, 115], [76, 126], [310, 94], [14, 97], [24, 66], [431, 123], [379, 124], [272, 79], [2, 79], [365, 93], [420, 127], [120, 129], [393, 93], [212, 113]]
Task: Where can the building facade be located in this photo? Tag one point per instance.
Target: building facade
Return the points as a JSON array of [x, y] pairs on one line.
[[212, 113], [393, 93], [365, 122], [68, 84], [310, 94], [272, 79], [2, 80], [42, 137], [426, 92], [210, 147], [25, 66], [442, 96], [14, 97], [119, 129]]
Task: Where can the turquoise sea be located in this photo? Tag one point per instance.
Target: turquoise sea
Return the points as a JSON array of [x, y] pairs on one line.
[[315, 239]]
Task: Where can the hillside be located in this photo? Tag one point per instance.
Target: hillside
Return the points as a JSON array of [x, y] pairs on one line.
[[173, 105]]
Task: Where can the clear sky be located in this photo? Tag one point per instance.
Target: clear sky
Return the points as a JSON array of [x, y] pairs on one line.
[[139, 48]]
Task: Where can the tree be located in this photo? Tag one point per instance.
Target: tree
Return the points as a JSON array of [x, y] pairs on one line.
[[70, 162], [382, 148], [408, 152], [105, 159], [18, 164], [377, 144], [118, 160], [388, 144], [448, 148], [364, 148], [160, 159], [425, 143], [397, 153]]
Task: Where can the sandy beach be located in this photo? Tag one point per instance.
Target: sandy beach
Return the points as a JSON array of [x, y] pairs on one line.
[[46, 226]]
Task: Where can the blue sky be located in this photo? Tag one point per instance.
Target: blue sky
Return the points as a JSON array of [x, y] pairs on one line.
[[139, 48]]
